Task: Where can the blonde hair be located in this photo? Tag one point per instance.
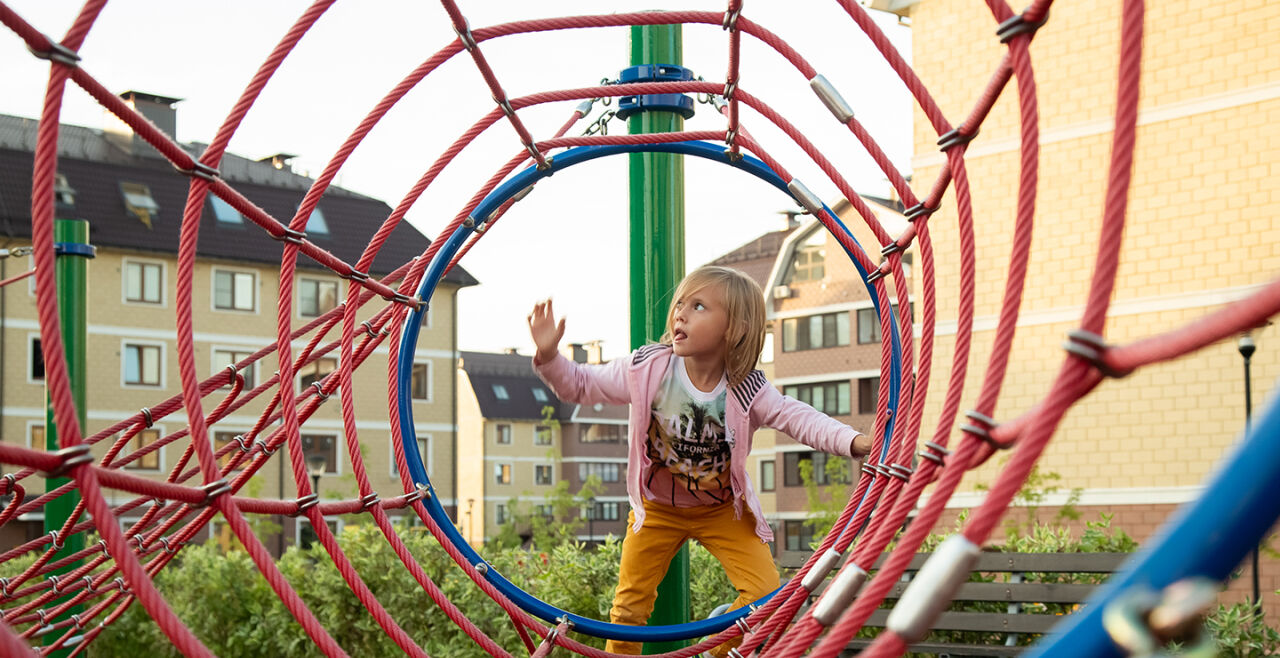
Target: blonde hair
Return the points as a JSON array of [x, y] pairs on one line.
[[744, 304]]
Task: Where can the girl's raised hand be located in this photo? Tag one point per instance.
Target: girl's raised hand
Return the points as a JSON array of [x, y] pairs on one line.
[[546, 332]]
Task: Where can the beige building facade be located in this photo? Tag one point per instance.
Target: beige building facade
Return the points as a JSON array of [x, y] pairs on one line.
[[1201, 232], [132, 345]]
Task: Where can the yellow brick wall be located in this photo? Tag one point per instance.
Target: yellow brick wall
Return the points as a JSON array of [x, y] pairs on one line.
[[1201, 226]]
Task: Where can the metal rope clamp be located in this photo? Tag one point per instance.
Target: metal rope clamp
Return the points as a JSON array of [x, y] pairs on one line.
[[981, 428], [304, 503], [678, 103], [1092, 348], [57, 53], [212, 490], [72, 457], [1143, 621]]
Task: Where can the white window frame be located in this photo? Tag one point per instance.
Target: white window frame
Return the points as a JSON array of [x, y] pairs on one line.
[[431, 372], [213, 445], [552, 468], [163, 347], [339, 449], [497, 435], [510, 471], [339, 294], [551, 431], [31, 353], [501, 515], [297, 527], [124, 282], [217, 365], [31, 280], [31, 424], [337, 365], [213, 290], [159, 453], [426, 455]]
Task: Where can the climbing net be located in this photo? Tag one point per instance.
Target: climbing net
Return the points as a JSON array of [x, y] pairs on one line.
[[120, 569]]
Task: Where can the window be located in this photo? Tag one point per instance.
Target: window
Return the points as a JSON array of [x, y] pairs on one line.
[[141, 365], [502, 473], [602, 434], [143, 282], [542, 435], [542, 474], [540, 394], [815, 332], [868, 391], [138, 201], [504, 434], [869, 323], [607, 472], [808, 263], [229, 357], [799, 535], [220, 441], [500, 392], [324, 445], [316, 222], [316, 297], [149, 461], [35, 364], [424, 451], [63, 193], [791, 468], [545, 511], [235, 291], [420, 381], [500, 514], [315, 371], [35, 437], [606, 512], [766, 475], [831, 398], [307, 535], [223, 212]]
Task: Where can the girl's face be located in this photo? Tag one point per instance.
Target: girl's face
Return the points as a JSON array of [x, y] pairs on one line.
[[700, 323]]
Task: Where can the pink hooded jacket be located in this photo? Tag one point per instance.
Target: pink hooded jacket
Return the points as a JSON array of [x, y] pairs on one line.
[[751, 404]]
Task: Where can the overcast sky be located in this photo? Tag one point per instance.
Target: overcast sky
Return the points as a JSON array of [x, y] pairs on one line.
[[568, 239]]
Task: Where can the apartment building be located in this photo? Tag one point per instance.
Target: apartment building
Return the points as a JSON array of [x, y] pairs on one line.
[[595, 445], [133, 200], [822, 347], [517, 441]]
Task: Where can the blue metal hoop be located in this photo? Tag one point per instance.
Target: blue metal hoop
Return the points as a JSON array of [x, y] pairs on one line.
[[409, 340]]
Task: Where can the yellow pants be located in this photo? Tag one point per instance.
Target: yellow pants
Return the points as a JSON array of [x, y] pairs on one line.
[[646, 555]]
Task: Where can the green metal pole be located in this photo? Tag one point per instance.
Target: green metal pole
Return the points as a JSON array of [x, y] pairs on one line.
[[72, 272], [657, 266]]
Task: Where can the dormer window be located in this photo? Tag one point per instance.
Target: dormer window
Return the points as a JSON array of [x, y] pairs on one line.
[[809, 261], [316, 223], [224, 213], [63, 193], [139, 203], [500, 392], [540, 394]]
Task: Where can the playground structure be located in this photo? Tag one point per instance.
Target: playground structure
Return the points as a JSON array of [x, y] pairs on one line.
[[888, 488]]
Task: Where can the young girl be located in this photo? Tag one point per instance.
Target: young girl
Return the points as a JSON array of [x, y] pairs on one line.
[[695, 403]]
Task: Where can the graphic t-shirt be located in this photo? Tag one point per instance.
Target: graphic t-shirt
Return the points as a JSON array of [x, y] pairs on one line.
[[688, 453]]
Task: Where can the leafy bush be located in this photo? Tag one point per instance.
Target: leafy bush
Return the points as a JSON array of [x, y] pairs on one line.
[[1240, 631], [227, 603]]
